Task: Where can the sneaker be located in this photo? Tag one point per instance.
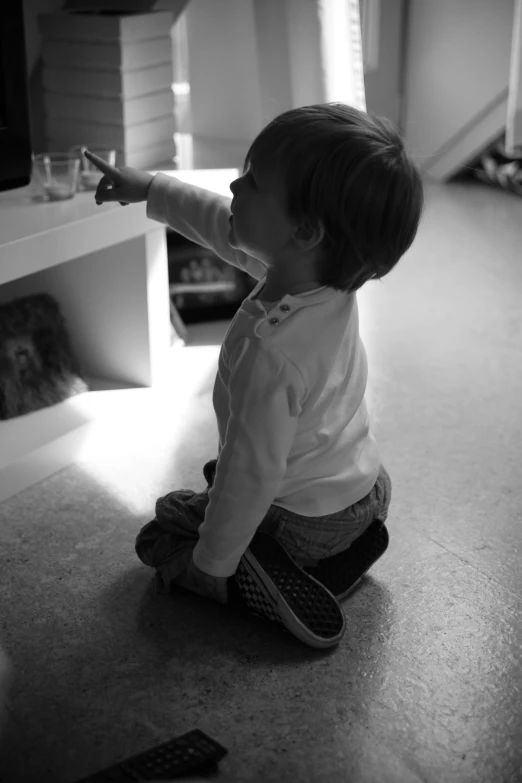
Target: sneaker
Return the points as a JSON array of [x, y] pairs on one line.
[[273, 586], [340, 573]]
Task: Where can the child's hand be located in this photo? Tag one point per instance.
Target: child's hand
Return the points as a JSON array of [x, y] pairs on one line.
[[214, 587], [126, 185]]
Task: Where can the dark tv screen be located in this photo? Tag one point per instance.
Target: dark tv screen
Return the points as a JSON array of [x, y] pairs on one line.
[[15, 134]]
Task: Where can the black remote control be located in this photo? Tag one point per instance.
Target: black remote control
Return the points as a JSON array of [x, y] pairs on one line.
[[190, 753]]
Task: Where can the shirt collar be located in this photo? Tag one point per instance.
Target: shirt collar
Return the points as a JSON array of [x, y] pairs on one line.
[[317, 296]]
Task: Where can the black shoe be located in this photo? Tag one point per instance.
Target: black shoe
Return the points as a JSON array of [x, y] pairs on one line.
[[272, 585], [340, 573]]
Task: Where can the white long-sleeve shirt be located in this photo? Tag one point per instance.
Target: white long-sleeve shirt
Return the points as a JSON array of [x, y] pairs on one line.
[[293, 424]]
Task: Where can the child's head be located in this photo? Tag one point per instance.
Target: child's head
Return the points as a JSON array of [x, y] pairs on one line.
[[349, 171]]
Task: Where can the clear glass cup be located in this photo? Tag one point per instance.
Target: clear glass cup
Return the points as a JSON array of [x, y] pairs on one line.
[[54, 176], [89, 174]]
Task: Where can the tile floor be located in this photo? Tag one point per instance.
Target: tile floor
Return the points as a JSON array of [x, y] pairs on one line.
[[426, 685]]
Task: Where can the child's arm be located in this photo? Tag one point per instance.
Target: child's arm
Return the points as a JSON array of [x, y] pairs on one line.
[[199, 215], [265, 392]]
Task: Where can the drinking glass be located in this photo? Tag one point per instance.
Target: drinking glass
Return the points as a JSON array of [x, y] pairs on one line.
[[54, 176]]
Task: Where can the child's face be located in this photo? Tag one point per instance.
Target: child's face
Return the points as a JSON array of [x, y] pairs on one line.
[[260, 225]]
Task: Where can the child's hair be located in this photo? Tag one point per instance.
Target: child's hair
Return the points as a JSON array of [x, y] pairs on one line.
[[350, 170]]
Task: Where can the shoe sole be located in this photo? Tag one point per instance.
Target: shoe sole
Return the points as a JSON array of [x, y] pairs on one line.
[[273, 586], [341, 573]]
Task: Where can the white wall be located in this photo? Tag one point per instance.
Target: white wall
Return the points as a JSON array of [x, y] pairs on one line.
[[383, 86], [250, 60], [457, 66], [223, 68], [224, 83], [273, 66]]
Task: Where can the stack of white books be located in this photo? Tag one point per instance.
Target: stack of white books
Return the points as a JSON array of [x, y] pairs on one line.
[[108, 80]]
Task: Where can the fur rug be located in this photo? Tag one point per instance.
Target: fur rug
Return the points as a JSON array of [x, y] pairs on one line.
[[37, 365]]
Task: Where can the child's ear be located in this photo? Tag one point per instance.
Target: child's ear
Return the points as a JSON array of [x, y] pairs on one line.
[[309, 235]]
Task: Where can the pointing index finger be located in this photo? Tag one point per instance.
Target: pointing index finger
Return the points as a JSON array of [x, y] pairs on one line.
[[102, 165]]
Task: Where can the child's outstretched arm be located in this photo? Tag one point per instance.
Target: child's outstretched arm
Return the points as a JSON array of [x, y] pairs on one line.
[[198, 214]]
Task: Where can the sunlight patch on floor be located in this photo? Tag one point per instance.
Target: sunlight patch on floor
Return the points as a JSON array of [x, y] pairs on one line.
[[140, 437]]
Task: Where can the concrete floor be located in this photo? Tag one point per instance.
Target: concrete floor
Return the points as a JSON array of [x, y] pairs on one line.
[[426, 684]]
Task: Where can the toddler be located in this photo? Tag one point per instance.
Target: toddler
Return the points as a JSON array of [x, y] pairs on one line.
[[295, 505]]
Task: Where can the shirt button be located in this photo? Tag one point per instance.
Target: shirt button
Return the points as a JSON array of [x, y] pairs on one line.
[[285, 308], [274, 321]]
